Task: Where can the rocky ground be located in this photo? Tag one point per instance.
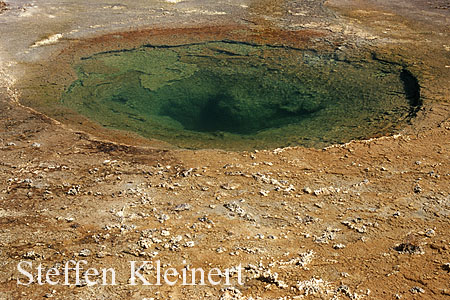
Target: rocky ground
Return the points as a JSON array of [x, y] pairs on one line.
[[3, 6], [364, 220]]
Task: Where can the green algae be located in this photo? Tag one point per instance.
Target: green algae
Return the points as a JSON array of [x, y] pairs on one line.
[[239, 96]]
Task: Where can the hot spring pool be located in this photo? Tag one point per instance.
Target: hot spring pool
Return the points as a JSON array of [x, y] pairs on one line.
[[240, 96]]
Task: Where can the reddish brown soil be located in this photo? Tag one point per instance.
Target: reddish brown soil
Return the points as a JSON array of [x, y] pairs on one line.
[[375, 214]]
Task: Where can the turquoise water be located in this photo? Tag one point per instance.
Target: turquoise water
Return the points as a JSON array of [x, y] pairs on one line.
[[239, 96]]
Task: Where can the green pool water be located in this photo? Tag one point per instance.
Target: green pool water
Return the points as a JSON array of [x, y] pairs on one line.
[[238, 96]]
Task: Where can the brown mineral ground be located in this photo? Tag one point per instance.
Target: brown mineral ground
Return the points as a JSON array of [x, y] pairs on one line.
[[3, 6], [365, 220]]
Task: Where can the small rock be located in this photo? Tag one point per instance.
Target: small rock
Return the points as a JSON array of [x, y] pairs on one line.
[[74, 190], [409, 248], [85, 253], [259, 236], [338, 246], [446, 267], [31, 255], [430, 233], [189, 244], [101, 254], [205, 219], [50, 295], [307, 190], [162, 218], [229, 187], [264, 193], [417, 189], [221, 250], [234, 207], [146, 243], [36, 145], [416, 290], [182, 207]]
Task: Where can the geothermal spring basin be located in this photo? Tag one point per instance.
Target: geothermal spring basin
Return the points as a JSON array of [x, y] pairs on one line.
[[241, 96]]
